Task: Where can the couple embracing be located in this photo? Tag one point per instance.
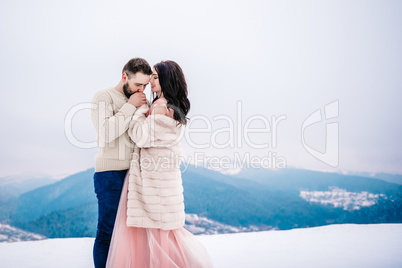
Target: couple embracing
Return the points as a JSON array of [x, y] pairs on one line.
[[140, 200]]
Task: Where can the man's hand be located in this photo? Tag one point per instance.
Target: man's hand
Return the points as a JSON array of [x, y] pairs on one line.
[[137, 99]]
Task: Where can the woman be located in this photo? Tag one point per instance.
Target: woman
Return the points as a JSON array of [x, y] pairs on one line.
[[149, 230]]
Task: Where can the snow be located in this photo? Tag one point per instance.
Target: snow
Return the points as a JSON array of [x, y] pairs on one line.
[[12, 234], [341, 198], [201, 225], [343, 245]]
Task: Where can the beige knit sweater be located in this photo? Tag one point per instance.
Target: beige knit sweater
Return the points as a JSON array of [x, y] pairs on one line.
[[155, 191], [111, 115]]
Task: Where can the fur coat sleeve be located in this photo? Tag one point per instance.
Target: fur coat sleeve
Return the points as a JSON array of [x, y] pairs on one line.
[[156, 130]]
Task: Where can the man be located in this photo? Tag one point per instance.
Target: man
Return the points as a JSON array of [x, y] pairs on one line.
[[112, 111]]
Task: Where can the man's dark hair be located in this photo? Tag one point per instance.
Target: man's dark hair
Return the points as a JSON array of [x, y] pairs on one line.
[[136, 65]]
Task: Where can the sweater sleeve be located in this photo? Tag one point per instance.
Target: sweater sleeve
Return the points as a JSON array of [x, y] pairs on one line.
[[109, 126], [138, 130]]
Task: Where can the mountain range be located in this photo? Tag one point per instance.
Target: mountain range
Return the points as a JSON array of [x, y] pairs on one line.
[[253, 199]]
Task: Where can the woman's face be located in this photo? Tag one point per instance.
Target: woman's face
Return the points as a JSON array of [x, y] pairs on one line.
[[155, 86]]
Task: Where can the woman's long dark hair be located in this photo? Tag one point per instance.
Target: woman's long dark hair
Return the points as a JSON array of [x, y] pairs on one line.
[[174, 89]]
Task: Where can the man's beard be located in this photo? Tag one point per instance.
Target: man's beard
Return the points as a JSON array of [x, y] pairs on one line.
[[125, 90]]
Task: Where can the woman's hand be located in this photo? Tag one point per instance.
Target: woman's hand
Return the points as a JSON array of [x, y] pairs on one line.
[[161, 109], [142, 110]]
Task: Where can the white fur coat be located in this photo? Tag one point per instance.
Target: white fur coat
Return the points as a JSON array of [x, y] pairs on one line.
[[155, 191]]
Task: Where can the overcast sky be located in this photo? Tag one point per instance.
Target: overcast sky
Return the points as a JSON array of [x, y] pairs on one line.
[[272, 58]]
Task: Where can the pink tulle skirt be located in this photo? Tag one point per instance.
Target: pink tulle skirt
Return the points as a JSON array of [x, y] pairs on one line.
[[152, 248]]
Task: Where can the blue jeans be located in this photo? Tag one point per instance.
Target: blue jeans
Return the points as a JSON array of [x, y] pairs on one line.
[[108, 186]]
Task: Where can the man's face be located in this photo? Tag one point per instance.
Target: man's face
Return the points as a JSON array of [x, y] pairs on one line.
[[135, 83]]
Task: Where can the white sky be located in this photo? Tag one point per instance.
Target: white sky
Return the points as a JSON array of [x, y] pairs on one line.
[[276, 57]]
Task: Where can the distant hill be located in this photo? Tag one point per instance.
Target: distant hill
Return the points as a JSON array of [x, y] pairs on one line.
[[12, 187], [17, 185], [79, 221], [393, 178], [291, 179], [75, 190]]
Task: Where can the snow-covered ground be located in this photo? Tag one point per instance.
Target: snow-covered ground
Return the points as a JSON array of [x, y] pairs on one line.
[[344, 245]]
